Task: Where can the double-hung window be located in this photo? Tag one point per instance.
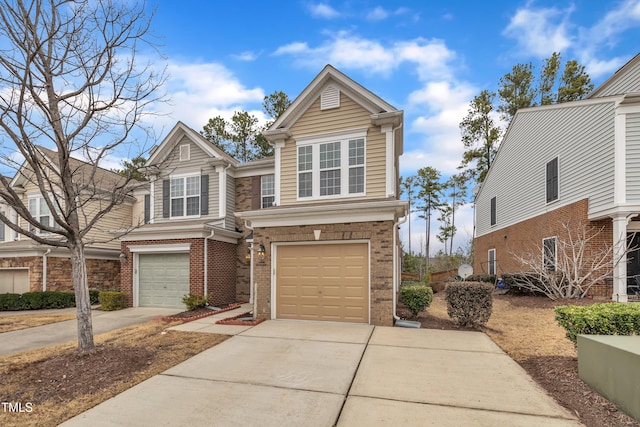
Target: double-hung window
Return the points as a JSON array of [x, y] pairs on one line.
[[39, 209], [332, 165], [491, 257], [268, 191], [549, 250], [185, 196]]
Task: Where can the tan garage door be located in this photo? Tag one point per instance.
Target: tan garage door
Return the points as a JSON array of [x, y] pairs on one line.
[[323, 282], [14, 280], [163, 280]]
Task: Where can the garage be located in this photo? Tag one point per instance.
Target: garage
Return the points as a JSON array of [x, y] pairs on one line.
[[323, 282], [14, 280], [163, 279]]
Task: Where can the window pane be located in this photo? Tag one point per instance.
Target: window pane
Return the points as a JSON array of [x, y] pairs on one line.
[[305, 186], [330, 182], [305, 158], [177, 187], [330, 155], [267, 202], [33, 210], [44, 209], [193, 205], [549, 255], [177, 207], [356, 152], [356, 180], [268, 185], [193, 185], [44, 220]]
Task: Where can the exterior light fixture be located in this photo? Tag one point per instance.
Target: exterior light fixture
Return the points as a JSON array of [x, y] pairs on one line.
[[123, 257], [261, 251], [248, 255]]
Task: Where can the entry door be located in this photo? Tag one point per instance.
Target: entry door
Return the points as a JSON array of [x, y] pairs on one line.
[[633, 263]]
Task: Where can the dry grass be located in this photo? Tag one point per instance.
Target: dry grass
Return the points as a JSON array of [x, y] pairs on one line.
[[522, 333], [24, 321], [61, 384]]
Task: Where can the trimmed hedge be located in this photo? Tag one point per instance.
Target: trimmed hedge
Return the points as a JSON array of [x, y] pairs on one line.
[[416, 297], [94, 296], [469, 304], [111, 301], [488, 278], [599, 319], [37, 300]]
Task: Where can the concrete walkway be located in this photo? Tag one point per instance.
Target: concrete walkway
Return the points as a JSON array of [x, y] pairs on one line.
[[67, 331], [285, 373]]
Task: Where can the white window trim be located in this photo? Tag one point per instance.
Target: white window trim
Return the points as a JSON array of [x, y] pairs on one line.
[[187, 150], [185, 176], [315, 141], [36, 230], [495, 262], [555, 251], [263, 195]]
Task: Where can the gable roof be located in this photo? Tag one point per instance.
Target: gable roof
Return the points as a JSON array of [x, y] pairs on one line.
[[330, 75], [173, 138], [625, 80]]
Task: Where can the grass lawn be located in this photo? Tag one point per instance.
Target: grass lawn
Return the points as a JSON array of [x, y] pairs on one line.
[[59, 383], [23, 321]]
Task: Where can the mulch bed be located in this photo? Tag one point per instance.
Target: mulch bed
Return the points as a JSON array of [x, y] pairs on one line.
[[234, 320], [198, 313]]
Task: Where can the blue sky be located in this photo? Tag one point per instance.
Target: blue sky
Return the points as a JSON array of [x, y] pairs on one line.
[[428, 58]]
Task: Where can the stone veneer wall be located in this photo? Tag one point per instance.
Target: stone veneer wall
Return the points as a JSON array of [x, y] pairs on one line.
[[527, 236], [243, 203], [102, 274], [378, 233]]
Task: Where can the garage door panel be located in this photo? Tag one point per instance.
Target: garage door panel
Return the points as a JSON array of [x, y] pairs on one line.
[[163, 279], [14, 281], [323, 282]]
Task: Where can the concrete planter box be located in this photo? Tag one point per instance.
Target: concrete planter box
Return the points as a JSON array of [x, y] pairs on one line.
[[610, 364]]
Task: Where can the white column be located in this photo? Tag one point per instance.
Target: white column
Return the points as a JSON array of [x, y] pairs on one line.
[[222, 190], [390, 164], [620, 258], [277, 153]]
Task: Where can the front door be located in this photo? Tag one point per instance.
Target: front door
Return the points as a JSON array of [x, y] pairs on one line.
[[633, 264]]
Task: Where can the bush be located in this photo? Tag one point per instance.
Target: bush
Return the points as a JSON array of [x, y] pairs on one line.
[[521, 282], [416, 297], [488, 278], [112, 300], [9, 302], [599, 319], [94, 296], [469, 304], [194, 301]]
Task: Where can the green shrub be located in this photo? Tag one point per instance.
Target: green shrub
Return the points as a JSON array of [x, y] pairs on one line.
[[488, 278], [9, 302], [194, 301], [416, 297], [521, 283], [469, 304], [599, 319], [94, 296], [112, 300]]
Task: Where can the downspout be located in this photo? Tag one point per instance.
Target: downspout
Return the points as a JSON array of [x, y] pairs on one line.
[[396, 224], [206, 263], [44, 269], [251, 293]]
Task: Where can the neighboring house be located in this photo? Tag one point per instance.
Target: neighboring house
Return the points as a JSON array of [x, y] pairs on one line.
[[310, 233], [26, 265], [576, 162], [328, 249]]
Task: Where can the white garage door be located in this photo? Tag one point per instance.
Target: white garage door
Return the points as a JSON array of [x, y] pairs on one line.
[[323, 282], [163, 279], [14, 280]]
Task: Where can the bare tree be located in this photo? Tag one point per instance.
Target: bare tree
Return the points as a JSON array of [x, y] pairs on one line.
[[70, 79], [570, 264]]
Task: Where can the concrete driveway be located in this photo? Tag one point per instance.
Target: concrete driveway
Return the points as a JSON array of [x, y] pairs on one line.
[[283, 373]]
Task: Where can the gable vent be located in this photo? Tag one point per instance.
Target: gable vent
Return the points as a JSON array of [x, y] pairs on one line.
[[329, 98]]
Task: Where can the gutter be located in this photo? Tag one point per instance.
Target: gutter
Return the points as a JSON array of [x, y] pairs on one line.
[[251, 293], [206, 263], [396, 265]]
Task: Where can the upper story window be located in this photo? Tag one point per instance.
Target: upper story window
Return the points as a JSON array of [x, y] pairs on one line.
[[268, 191], [39, 209], [331, 166], [185, 196], [549, 251], [494, 216], [552, 180]]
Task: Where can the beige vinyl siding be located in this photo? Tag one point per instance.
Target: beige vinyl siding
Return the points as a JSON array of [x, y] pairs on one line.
[[314, 121], [624, 83], [230, 220], [137, 210], [633, 158], [100, 235], [582, 137]]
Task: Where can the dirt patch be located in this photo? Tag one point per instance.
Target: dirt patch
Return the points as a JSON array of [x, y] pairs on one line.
[[24, 321], [198, 313], [525, 328], [59, 383], [235, 320]]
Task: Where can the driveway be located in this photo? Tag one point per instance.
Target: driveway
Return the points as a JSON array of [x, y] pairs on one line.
[[64, 332], [285, 373]]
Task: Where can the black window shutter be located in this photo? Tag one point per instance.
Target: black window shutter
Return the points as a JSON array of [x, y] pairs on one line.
[[552, 180], [147, 208], [493, 211], [256, 190], [204, 195], [166, 198]]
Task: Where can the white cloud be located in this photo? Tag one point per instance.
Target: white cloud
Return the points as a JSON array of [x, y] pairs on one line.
[[377, 14], [246, 56], [540, 31], [323, 10]]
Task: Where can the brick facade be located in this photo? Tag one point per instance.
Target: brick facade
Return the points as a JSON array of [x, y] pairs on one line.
[[243, 275], [101, 274], [221, 260], [380, 237], [526, 236]]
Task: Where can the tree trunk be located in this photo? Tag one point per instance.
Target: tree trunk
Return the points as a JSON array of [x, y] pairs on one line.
[[83, 302]]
